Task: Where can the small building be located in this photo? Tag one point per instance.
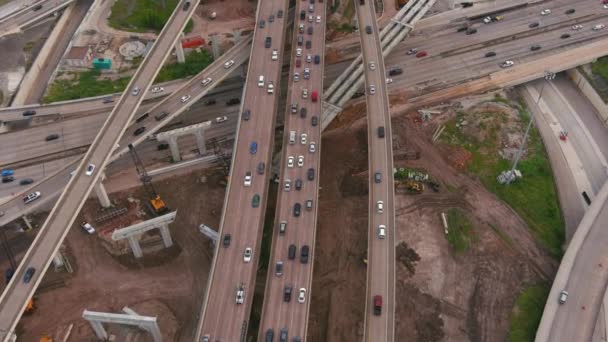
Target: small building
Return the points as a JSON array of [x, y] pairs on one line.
[[102, 63], [79, 56]]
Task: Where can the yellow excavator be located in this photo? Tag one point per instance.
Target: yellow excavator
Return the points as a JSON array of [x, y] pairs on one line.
[[46, 338], [156, 203]]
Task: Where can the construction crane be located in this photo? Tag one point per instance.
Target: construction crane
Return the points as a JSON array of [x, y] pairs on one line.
[[157, 205]]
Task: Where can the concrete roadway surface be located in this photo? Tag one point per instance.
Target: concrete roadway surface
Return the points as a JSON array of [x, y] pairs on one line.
[[25, 17], [39, 256], [221, 317], [381, 250], [278, 314]]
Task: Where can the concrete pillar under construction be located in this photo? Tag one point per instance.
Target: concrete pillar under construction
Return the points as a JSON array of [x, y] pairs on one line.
[[135, 247], [179, 50], [100, 331], [102, 195], [174, 147], [27, 222], [215, 46], [236, 36], [200, 141], [166, 234]]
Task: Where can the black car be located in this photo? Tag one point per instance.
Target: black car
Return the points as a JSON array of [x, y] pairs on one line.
[[163, 146], [227, 238], [298, 184], [210, 102], [462, 29], [368, 29], [261, 168], [29, 274], [378, 177], [471, 31], [302, 15], [304, 254], [268, 42], [287, 293], [280, 14], [269, 335], [310, 174], [53, 136], [309, 30], [533, 25], [570, 11], [37, 7], [308, 44], [108, 100], [303, 112], [26, 181], [246, 115], [490, 54], [283, 335], [29, 113], [186, 6], [291, 252], [314, 120], [262, 24], [381, 132], [565, 36], [233, 101], [161, 116], [142, 118], [535, 47], [8, 179], [139, 131], [271, 18], [317, 59], [395, 72], [297, 209]]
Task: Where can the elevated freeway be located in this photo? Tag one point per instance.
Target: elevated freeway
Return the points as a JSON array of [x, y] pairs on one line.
[[29, 15], [47, 242]]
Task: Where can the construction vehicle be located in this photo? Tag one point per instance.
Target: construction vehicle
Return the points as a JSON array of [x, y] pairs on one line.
[[156, 205], [31, 306], [46, 338], [410, 186], [401, 3]]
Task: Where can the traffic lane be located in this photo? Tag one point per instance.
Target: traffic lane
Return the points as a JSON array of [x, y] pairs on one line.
[[19, 19], [575, 320], [33, 172]]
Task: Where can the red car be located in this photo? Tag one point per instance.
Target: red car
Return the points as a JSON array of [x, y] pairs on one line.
[[298, 63], [605, 2], [314, 96], [377, 305], [421, 54]]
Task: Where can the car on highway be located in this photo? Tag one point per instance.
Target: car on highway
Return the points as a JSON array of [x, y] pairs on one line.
[[221, 119], [381, 231], [280, 14], [246, 115], [261, 168], [395, 72], [283, 335], [155, 90], [143, 117], [368, 29], [389, 80], [309, 30], [8, 179], [227, 239], [507, 64], [411, 51], [309, 205], [26, 181], [7, 172], [87, 227], [291, 252], [372, 89], [303, 138], [139, 131], [577, 27], [598, 27], [282, 227], [304, 93], [533, 25], [206, 81], [287, 185], [300, 161], [290, 161], [268, 42], [421, 54], [310, 174], [269, 335], [302, 15], [29, 273], [247, 181], [301, 28], [380, 207], [377, 177], [53, 136], [206, 338], [380, 131], [371, 65], [90, 169], [377, 305], [310, 18], [302, 296], [31, 197], [545, 12], [186, 6], [275, 55], [299, 184], [253, 147], [490, 54], [296, 77], [228, 64], [247, 254], [563, 296], [36, 8], [318, 19], [185, 98], [287, 293], [570, 11], [297, 209], [605, 6], [299, 52], [308, 58], [306, 73], [135, 91], [312, 147], [255, 201], [317, 59], [278, 268], [240, 295], [29, 113], [161, 116], [314, 120], [298, 62], [303, 112], [469, 31], [271, 18], [108, 99], [308, 44], [565, 36], [262, 24], [314, 96], [535, 47], [270, 87]]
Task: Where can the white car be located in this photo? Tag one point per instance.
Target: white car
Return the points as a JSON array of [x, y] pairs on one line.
[[308, 58], [305, 93], [206, 81], [598, 27], [90, 169], [247, 181], [87, 227], [381, 231], [299, 52], [380, 207], [157, 90], [185, 98], [287, 186], [290, 161], [563, 296], [247, 254], [487, 20], [240, 295], [31, 196], [270, 88], [312, 148], [303, 138], [135, 91], [310, 18], [300, 161], [372, 65], [507, 64], [318, 20], [302, 296], [389, 80], [606, 6], [411, 51], [372, 89], [275, 55], [228, 64], [545, 12], [221, 119], [296, 77], [577, 27]]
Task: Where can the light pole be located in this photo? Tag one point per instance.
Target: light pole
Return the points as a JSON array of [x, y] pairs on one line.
[[548, 77]]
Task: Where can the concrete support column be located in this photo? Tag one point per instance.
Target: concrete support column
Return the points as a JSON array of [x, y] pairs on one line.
[[215, 46], [200, 141], [100, 331], [179, 50], [135, 247], [174, 149], [27, 222], [58, 260], [102, 195], [166, 234], [236, 36], [155, 332]]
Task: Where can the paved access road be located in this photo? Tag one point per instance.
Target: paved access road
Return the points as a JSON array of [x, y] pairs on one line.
[[222, 318], [36, 11], [54, 230], [278, 314], [381, 245]]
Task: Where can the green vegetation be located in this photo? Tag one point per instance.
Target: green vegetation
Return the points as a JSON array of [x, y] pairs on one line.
[[349, 11], [86, 84], [527, 313], [346, 27], [195, 63], [533, 196], [600, 67], [143, 15], [460, 230]]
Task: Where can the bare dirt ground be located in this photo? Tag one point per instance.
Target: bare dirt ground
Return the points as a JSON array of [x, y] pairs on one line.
[[168, 283], [441, 295]]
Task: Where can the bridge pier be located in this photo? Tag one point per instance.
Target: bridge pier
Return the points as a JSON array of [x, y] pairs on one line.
[[102, 194], [179, 50], [27, 222], [133, 233], [171, 137], [174, 147]]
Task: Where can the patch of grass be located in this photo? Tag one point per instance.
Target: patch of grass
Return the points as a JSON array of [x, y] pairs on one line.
[[534, 196], [499, 98], [143, 15], [459, 231], [346, 27], [527, 313], [349, 10], [600, 67], [85, 85], [195, 63]]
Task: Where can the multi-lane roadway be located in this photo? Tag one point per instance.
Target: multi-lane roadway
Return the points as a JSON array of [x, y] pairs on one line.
[[27, 16], [231, 284], [37, 259]]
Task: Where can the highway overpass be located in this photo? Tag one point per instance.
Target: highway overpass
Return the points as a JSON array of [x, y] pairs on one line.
[[19, 20]]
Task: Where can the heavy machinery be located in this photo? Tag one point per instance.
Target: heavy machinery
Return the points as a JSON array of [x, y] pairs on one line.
[[156, 205], [410, 186], [46, 338]]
